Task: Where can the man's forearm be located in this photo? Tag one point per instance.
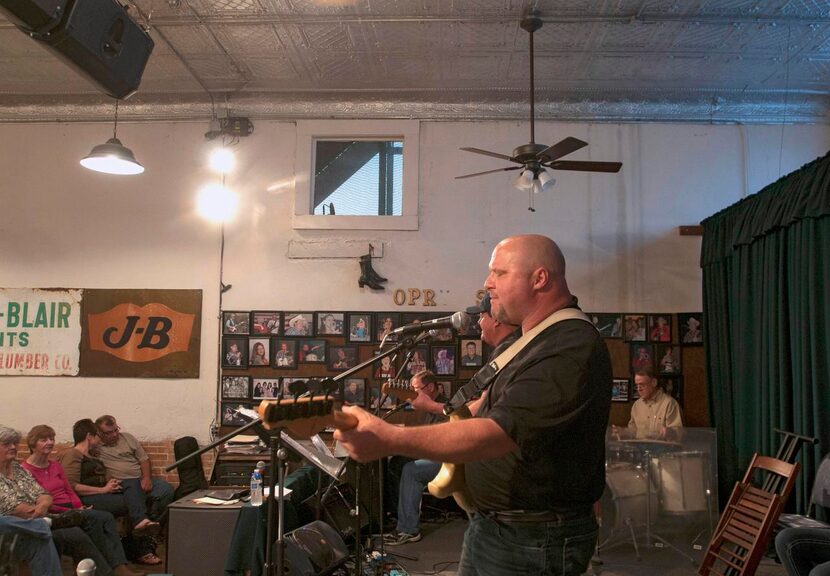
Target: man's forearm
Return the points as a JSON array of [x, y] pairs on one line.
[[461, 441], [145, 470]]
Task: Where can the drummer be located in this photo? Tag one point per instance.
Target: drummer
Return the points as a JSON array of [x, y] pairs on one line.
[[655, 416]]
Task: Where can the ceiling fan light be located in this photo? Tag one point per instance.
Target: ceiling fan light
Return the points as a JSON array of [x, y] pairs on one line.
[[524, 180], [544, 178]]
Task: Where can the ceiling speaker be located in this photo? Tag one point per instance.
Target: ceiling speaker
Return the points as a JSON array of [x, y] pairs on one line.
[[96, 37]]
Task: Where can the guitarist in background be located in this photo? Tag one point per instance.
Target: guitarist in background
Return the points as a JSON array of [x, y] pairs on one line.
[[535, 452], [414, 474]]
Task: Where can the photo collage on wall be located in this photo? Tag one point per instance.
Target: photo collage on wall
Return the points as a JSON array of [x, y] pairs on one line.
[[263, 351], [652, 344]]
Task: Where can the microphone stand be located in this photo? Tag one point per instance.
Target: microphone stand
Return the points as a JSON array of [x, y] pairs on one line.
[[408, 343]]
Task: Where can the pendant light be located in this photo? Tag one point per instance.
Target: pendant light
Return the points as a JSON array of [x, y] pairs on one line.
[[112, 157]]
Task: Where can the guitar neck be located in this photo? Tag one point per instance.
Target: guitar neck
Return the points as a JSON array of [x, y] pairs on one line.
[[304, 417]]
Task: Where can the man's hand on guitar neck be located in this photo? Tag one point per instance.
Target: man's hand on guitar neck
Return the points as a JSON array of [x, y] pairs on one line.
[[370, 440]]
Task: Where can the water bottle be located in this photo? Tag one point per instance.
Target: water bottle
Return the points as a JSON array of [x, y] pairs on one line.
[[256, 488]]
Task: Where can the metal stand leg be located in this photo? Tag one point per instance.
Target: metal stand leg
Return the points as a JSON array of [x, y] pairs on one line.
[[660, 541]]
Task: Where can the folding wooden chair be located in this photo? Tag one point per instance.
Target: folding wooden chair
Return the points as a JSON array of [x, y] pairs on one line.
[[745, 527]]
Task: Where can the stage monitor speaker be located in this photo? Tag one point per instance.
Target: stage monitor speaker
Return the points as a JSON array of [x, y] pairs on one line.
[[96, 37], [314, 550]]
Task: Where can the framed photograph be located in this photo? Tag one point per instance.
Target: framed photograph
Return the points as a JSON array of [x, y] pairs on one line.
[[389, 402], [619, 390], [331, 323], [230, 417], [444, 388], [642, 357], [608, 325], [259, 352], [634, 327], [668, 359], [691, 327], [285, 353], [673, 386], [443, 360], [234, 352], [385, 323], [342, 357], [635, 394], [360, 327], [266, 388], [442, 334], [384, 369], [413, 318], [236, 387], [471, 353], [659, 327], [286, 386], [417, 362], [235, 322], [312, 351], [354, 391], [298, 324], [265, 322]]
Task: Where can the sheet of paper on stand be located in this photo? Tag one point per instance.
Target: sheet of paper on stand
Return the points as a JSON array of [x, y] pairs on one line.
[[214, 501], [243, 439]]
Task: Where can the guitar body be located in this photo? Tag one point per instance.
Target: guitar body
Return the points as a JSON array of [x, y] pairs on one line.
[[450, 480]]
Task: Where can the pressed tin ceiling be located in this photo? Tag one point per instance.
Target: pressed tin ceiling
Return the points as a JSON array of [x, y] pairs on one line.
[[752, 61]]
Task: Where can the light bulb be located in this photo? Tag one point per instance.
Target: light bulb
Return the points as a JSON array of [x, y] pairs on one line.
[[217, 203], [222, 160], [524, 180]]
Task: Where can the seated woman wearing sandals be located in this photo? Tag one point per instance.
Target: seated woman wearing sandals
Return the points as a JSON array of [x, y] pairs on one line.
[[87, 476], [98, 525]]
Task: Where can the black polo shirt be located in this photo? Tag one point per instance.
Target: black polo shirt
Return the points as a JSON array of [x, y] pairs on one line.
[[553, 400]]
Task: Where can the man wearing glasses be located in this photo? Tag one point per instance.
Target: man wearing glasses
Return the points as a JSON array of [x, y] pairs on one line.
[[127, 461]]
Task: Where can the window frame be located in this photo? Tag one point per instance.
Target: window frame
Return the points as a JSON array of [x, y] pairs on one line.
[[309, 131]]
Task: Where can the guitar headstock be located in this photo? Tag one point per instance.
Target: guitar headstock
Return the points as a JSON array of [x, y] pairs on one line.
[[304, 417], [400, 388]]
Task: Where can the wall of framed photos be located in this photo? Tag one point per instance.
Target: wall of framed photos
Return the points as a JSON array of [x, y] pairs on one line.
[[264, 351]]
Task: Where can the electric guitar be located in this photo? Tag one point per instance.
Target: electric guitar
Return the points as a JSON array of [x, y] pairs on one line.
[[400, 388], [450, 480], [304, 417]]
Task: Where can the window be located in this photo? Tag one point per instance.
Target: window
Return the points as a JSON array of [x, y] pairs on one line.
[[357, 175]]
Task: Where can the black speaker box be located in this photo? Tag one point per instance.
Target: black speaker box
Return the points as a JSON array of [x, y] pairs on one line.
[[97, 38], [314, 550], [34, 15]]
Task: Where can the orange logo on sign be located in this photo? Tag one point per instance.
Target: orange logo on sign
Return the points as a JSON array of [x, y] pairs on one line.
[[140, 334]]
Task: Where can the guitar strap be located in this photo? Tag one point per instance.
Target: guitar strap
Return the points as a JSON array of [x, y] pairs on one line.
[[485, 376]]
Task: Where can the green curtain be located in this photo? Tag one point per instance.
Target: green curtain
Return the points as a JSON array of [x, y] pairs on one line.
[[766, 302]]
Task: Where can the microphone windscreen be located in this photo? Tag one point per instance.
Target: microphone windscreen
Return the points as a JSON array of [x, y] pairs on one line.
[[328, 386], [86, 567], [461, 321]]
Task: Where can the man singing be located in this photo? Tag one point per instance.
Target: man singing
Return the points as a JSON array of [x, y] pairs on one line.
[[534, 453]]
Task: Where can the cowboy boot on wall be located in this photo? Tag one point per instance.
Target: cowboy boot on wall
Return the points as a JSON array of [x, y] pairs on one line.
[[366, 277], [372, 274]]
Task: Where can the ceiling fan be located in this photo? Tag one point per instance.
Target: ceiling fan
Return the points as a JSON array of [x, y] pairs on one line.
[[533, 158]]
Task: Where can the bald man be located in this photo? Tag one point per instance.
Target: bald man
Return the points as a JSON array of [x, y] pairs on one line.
[[534, 453]]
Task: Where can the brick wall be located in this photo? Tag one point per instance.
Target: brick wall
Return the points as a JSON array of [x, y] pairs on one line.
[[160, 453]]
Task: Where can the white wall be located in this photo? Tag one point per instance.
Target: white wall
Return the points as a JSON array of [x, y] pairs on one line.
[[61, 225]]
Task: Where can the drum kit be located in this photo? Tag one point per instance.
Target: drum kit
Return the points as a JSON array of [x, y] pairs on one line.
[[650, 483]]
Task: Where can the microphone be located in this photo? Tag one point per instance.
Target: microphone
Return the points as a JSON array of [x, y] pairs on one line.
[[86, 567], [297, 387], [459, 321]]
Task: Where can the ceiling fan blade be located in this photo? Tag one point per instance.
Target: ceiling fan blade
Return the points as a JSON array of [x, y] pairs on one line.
[[585, 166], [561, 148], [490, 172], [488, 153]]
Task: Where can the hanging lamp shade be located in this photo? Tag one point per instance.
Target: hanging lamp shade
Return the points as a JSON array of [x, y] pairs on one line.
[[112, 157]]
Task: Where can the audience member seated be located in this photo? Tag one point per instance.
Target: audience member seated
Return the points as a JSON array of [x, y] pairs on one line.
[[34, 544], [126, 461], [22, 497], [804, 551], [87, 476]]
